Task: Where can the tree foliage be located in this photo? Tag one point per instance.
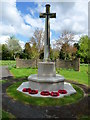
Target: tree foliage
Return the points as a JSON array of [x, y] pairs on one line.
[[83, 49], [66, 37], [68, 52], [6, 53], [38, 39], [37, 43], [13, 44]]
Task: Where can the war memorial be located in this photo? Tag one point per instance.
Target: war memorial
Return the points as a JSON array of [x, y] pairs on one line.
[[46, 83]]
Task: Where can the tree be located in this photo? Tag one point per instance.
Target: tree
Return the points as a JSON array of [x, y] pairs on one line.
[[38, 39], [35, 53], [66, 37], [28, 51], [68, 51], [13, 44], [55, 54], [37, 43], [84, 49], [6, 53]]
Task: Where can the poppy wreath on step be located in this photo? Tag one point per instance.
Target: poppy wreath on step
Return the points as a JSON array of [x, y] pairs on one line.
[[54, 94], [33, 92], [45, 93], [26, 89], [62, 91]]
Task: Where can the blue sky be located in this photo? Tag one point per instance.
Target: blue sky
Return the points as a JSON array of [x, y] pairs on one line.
[[22, 18], [24, 8]]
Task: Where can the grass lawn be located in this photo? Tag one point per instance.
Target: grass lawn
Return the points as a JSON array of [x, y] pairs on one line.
[[84, 117], [3, 81], [23, 72], [16, 95], [7, 62], [7, 116], [81, 77]]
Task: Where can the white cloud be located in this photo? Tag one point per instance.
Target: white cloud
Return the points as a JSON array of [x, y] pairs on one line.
[[12, 21], [3, 39], [72, 16], [22, 44], [34, 22]]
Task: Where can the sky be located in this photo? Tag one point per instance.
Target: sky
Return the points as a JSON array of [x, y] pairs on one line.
[[22, 18]]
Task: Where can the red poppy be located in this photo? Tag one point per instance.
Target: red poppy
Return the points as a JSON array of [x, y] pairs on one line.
[[45, 93], [62, 91], [26, 89], [55, 94], [33, 92]]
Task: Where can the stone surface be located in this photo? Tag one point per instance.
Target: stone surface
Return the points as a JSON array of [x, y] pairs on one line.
[[46, 85], [46, 69], [67, 86], [43, 79], [68, 64], [47, 17], [4, 72]]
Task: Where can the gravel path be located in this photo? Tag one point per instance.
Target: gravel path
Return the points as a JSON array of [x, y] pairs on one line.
[[21, 110]]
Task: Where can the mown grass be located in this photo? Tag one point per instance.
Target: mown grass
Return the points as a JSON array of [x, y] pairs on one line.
[[7, 116], [16, 95], [69, 74], [7, 62], [84, 117], [23, 72], [80, 77], [3, 81]]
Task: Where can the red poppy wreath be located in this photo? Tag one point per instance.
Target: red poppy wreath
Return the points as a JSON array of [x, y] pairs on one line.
[[62, 91], [54, 94], [45, 93], [26, 89], [33, 92]]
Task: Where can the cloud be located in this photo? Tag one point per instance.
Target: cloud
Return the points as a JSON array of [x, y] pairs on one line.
[[3, 39], [72, 16], [22, 44], [33, 22], [12, 21]]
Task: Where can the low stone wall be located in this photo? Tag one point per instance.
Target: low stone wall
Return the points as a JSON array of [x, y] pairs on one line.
[[74, 64], [68, 64], [24, 63]]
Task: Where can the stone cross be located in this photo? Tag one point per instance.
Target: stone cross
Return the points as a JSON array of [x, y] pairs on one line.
[[47, 15]]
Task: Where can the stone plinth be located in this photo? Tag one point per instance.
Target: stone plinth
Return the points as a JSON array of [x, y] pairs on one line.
[[46, 69], [67, 86], [46, 79], [46, 83]]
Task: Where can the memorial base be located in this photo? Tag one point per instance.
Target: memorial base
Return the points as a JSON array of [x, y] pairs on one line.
[[67, 86]]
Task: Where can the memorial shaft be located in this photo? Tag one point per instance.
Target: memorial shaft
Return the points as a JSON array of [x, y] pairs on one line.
[[47, 17]]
